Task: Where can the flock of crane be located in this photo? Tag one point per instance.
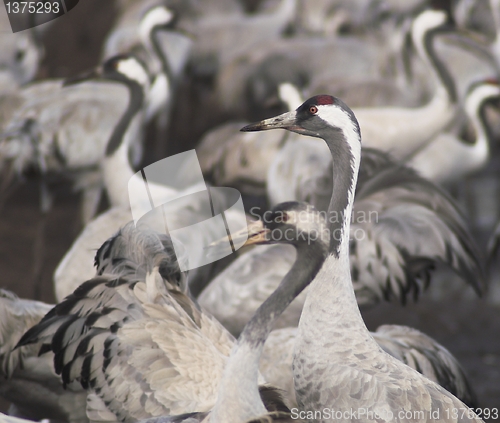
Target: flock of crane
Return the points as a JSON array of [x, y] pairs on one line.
[[398, 91]]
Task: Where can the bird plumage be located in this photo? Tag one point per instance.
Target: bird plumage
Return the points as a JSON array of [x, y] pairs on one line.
[[132, 335], [125, 328], [147, 29], [402, 226], [388, 253], [353, 372], [449, 157], [27, 381], [49, 123], [408, 345]]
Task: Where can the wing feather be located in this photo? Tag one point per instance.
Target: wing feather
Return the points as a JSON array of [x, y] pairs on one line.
[[133, 339]]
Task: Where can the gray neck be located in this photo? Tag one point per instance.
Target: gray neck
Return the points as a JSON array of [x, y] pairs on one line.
[[331, 326], [134, 105], [238, 397], [442, 71], [310, 258], [481, 124], [167, 69], [345, 173]]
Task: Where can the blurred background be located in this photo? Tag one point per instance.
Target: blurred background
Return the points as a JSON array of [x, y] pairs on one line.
[[221, 83]]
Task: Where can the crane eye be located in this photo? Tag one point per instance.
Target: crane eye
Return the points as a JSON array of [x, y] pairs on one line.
[[313, 110]]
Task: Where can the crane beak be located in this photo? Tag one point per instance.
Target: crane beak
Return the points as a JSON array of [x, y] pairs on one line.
[[254, 233], [257, 233], [287, 120]]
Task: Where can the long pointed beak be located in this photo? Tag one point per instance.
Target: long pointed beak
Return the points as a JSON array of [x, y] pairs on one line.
[[254, 233], [287, 120], [257, 233], [86, 76]]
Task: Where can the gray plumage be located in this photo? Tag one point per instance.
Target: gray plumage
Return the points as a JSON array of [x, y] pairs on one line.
[[90, 331], [398, 130], [131, 333], [393, 259], [402, 226], [295, 59], [428, 357], [132, 247], [408, 345], [181, 418], [223, 36], [27, 381], [494, 244], [146, 29], [238, 397], [43, 126], [402, 131], [77, 264], [242, 160], [448, 157], [230, 158], [337, 363]]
